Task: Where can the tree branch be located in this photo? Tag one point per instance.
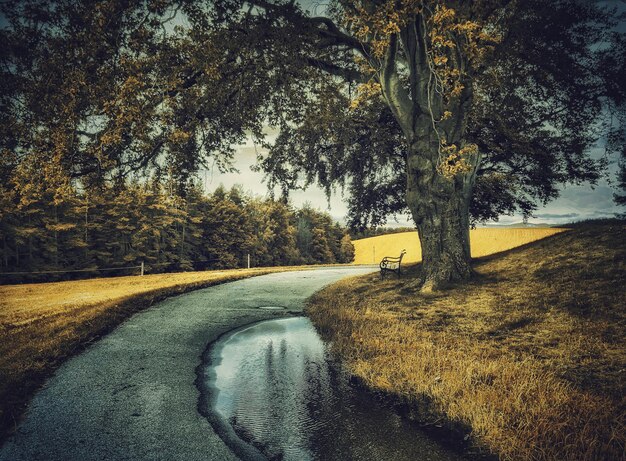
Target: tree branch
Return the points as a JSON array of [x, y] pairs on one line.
[[288, 11], [409, 43], [349, 75], [334, 32], [396, 95]]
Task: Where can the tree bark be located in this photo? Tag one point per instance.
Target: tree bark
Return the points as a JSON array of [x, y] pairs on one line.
[[5, 252], [56, 238], [440, 209]]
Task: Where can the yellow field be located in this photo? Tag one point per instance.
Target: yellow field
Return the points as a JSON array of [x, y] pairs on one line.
[[484, 241]]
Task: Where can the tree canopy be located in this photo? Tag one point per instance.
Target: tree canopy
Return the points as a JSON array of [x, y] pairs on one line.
[[547, 89], [98, 91]]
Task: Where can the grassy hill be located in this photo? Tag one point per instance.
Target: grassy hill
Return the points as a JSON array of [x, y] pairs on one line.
[[530, 355], [483, 241]]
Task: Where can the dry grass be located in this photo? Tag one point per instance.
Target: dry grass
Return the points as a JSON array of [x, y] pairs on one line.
[[42, 324], [484, 241], [530, 355]]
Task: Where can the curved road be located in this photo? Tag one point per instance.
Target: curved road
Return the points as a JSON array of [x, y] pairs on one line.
[[131, 396]]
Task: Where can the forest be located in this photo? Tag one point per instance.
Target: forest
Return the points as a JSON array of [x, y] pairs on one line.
[[45, 234]]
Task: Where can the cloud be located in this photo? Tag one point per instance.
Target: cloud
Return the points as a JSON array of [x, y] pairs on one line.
[[605, 213], [556, 216]]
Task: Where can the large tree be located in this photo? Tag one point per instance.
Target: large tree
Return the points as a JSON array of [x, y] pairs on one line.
[[455, 104]]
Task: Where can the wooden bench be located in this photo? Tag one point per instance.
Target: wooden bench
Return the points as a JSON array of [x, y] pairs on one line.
[[391, 264]]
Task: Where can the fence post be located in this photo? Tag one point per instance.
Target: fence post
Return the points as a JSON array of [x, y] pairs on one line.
[[248, 260], [142, 268]]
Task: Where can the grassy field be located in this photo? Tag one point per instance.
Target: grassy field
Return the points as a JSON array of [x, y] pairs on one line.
[[42, 324], [483, 242], [530, 355]]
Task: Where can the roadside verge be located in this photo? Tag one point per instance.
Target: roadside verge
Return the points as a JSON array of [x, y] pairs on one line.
[[529, 355]]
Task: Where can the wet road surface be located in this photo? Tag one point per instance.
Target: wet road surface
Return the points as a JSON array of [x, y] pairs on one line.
[[131, 395], [275, 385]]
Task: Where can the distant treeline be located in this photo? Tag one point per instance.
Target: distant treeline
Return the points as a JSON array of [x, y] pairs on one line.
[[131, 223], [618, 220], [376, 231]]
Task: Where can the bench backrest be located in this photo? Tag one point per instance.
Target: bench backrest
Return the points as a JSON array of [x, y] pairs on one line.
[[394, 259]]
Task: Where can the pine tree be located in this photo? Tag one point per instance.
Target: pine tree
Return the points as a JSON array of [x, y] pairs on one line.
[[320, 250], [347, 250], [226, 232]]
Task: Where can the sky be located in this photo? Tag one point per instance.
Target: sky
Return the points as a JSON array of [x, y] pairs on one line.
[[252, 181], [575, 203]]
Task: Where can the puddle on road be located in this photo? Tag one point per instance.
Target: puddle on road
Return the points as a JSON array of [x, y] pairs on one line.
[[272, 392]]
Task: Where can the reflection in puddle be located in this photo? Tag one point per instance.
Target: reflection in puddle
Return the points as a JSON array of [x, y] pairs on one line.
[[274, 384]]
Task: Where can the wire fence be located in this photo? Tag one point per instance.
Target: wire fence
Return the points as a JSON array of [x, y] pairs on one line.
[[72, 274], [97, 269]]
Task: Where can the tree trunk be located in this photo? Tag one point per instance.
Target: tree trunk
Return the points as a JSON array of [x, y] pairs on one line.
[[86, 228], [440, 209], [30, 245], [5, 252], [56, 238], [182, 244], [433, 117]]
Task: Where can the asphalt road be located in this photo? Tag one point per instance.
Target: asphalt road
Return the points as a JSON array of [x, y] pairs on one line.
[[131, 395]]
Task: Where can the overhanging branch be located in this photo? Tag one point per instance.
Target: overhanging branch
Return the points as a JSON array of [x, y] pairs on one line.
[[349, 75], [394, 92], [331, 30]]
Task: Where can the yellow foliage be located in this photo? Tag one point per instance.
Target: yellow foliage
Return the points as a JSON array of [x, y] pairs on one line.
[[454, 160], [364, 65], [179, 136], [365, 92], [446, 115], [440, 60], [378, 25]]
